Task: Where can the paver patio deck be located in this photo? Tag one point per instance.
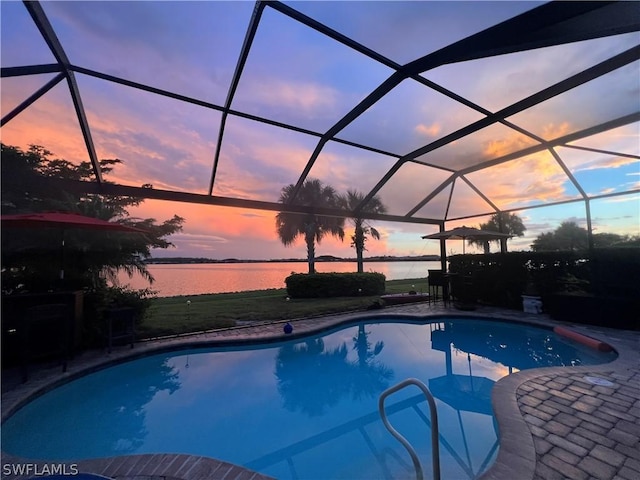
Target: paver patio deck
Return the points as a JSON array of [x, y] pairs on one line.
[[554, 423]]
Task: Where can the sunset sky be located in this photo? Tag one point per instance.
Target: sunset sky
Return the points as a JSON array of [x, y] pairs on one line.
[[299, 77]]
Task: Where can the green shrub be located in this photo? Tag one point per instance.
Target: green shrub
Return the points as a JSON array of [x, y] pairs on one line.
[[100, 299], [138, 300], [302, 285]]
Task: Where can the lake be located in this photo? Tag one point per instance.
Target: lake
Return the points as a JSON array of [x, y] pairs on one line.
[[201, 278]]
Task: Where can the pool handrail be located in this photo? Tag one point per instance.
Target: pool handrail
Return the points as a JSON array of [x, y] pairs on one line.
[[435, 446]]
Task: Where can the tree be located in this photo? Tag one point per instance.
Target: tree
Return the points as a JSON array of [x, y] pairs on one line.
[[601, 240], [92, 258], [607, 240], [25, 187], [312, 227], [362, 229], [511, 224], [544, 242], [568, 236]]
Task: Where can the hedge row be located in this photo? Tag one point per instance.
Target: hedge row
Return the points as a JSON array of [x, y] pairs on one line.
[[602, 286], [300, 285], [502, 278]]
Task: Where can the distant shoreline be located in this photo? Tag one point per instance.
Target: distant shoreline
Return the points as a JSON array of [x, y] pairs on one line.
[[321, 259]]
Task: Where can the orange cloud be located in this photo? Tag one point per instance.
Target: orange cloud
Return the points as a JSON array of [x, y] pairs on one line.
[[551, 130], [490, 142], [214, 229], [51, 123], [211, 228], [533, 179], [429, 130], [230, 222], [499, 147]]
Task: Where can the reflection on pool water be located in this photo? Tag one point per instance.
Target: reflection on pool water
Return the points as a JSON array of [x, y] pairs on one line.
[[302, 409]]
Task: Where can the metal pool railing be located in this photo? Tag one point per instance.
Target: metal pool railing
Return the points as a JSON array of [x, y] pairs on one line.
[[435, 446]]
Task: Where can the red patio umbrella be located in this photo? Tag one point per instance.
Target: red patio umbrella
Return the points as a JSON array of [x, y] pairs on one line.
[[63, 221]]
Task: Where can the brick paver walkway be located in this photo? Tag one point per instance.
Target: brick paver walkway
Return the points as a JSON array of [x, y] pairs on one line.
[[581, 430], [553, 423]]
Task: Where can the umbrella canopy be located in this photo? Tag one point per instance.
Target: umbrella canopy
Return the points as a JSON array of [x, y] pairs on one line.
[[463, 233], [63, 220]]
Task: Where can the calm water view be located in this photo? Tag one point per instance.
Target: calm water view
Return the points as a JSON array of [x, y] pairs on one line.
[[195, 279]]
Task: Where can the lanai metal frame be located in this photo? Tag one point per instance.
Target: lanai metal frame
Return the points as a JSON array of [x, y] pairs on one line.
[[550, 24]]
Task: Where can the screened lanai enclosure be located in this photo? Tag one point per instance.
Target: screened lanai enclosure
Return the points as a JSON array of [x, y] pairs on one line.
[[447, 111]]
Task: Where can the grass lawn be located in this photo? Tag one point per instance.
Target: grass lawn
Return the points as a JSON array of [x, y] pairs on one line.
[[173, 315]]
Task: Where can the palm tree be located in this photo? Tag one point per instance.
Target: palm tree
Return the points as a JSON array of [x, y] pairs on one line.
[[312, 227], [307, 372], [362, 229], [510, 223]]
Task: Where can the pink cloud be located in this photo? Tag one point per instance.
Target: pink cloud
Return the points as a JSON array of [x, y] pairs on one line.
[[603, 163], [306, 96]]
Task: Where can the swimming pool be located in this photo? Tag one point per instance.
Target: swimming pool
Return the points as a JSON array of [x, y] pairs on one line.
[[306, 408]]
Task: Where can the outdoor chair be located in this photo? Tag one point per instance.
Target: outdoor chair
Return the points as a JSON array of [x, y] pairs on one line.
[[46, 334], [438, 282], [120, 325]]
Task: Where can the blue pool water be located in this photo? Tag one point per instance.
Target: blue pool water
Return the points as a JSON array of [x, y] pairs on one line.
[[303, 409]]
